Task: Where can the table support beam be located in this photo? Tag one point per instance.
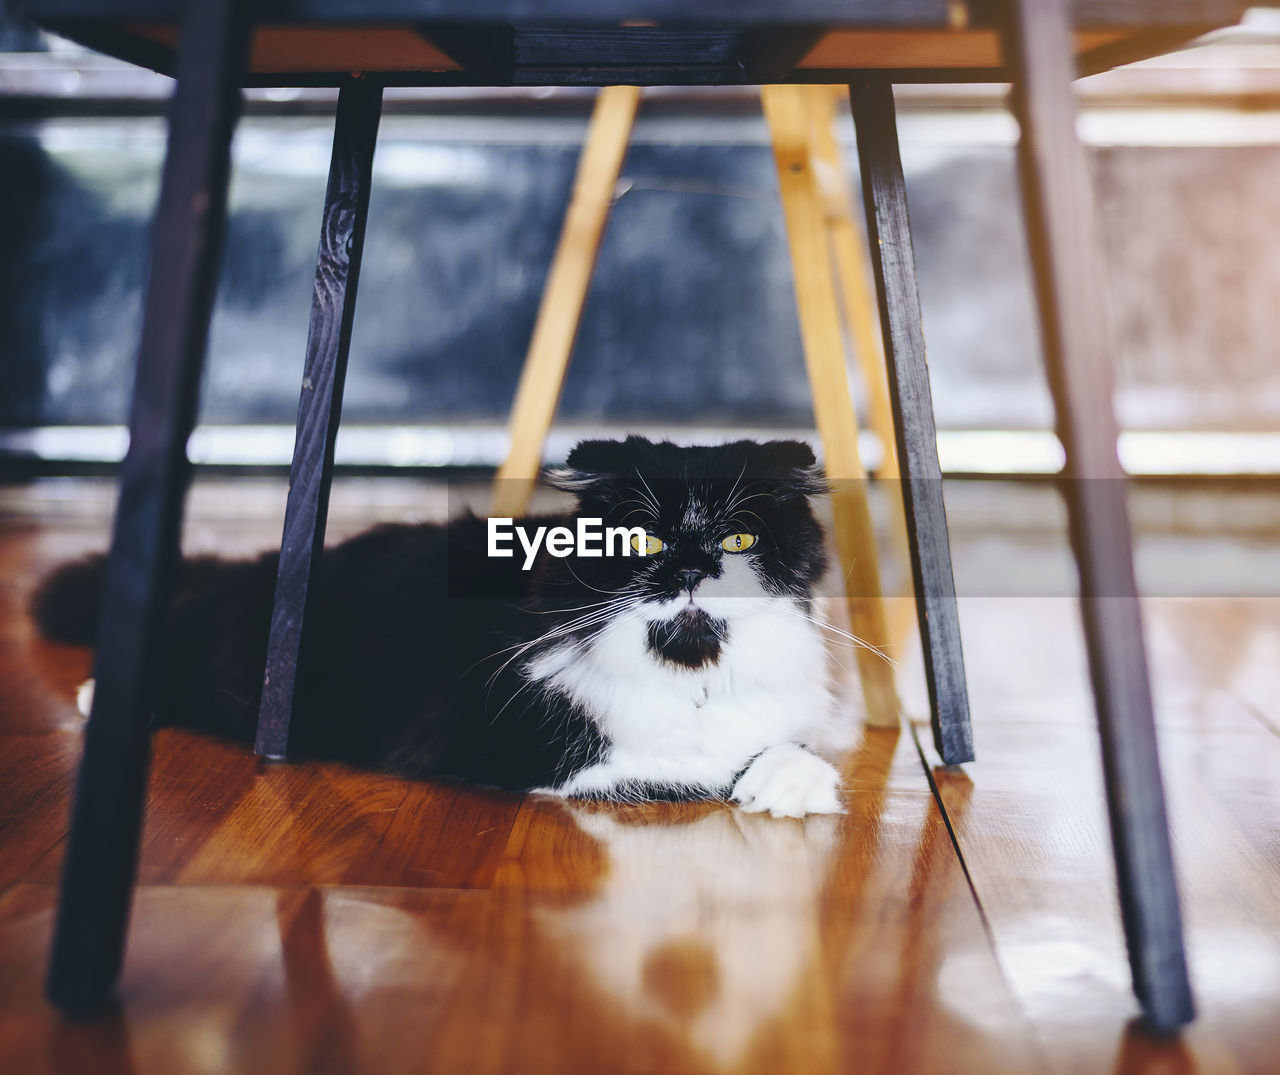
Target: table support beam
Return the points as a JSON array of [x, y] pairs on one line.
[[889, 237], [1065, 256], [333, 307], [186, 240]]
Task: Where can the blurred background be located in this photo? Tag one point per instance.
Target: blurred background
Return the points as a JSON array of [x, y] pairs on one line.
[[690, 323]]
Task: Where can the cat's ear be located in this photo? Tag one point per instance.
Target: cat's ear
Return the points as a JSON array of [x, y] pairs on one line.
[[792, 466], [593, 466]]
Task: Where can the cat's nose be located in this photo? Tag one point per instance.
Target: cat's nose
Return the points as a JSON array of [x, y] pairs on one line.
[[690, 577]]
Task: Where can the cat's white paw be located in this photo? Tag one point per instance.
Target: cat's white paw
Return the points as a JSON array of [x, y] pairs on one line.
[[84, 697], [788, 781]]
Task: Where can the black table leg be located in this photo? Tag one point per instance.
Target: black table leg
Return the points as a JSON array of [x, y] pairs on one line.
[[102, 847], [1060, 225], [333, 306], [889, 233]]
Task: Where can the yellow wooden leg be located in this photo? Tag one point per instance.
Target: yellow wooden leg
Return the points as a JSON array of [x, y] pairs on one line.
[[857, 294], [560, 312], [819, 313]]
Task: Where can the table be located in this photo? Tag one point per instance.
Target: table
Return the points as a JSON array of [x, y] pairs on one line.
[[216, 46]]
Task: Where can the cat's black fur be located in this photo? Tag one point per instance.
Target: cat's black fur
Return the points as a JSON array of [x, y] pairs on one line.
[[418, 640]]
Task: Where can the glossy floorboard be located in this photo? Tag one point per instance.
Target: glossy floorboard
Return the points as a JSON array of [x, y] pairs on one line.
[[308, 918]]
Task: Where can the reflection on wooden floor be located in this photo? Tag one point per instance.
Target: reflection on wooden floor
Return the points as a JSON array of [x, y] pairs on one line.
[[308, 918]]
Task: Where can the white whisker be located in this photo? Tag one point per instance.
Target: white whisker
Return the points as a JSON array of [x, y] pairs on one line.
[[862, 642]]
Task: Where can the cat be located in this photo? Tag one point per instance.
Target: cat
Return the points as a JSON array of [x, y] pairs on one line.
[[693, 668]]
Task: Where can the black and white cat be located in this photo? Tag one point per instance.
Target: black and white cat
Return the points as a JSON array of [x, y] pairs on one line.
[[697, 670]]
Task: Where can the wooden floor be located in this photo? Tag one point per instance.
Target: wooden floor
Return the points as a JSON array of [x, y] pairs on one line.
[[307, 918]]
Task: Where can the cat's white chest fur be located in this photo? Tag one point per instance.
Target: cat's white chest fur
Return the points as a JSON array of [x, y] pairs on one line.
[[698, 728]]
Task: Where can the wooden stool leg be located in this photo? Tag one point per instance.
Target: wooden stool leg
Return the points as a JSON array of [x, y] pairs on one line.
[[889, 237], [102, 847], [1060, 223], [333, 307], [857, 299], [847, 247], [560, 312], [816, 304]]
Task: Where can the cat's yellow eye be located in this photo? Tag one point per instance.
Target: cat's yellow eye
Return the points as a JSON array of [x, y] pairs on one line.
[[648, 545], [738, 542]]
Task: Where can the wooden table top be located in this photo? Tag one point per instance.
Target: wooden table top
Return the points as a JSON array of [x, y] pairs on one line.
[[641, 42]]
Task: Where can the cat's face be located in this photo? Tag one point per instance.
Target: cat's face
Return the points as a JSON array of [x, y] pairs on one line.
[[730, 531]]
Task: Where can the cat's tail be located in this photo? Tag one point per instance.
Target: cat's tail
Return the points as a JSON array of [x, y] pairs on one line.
[[215, 636], [65, 605]]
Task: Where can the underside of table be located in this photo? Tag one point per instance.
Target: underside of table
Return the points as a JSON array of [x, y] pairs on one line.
[[658, 42]]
